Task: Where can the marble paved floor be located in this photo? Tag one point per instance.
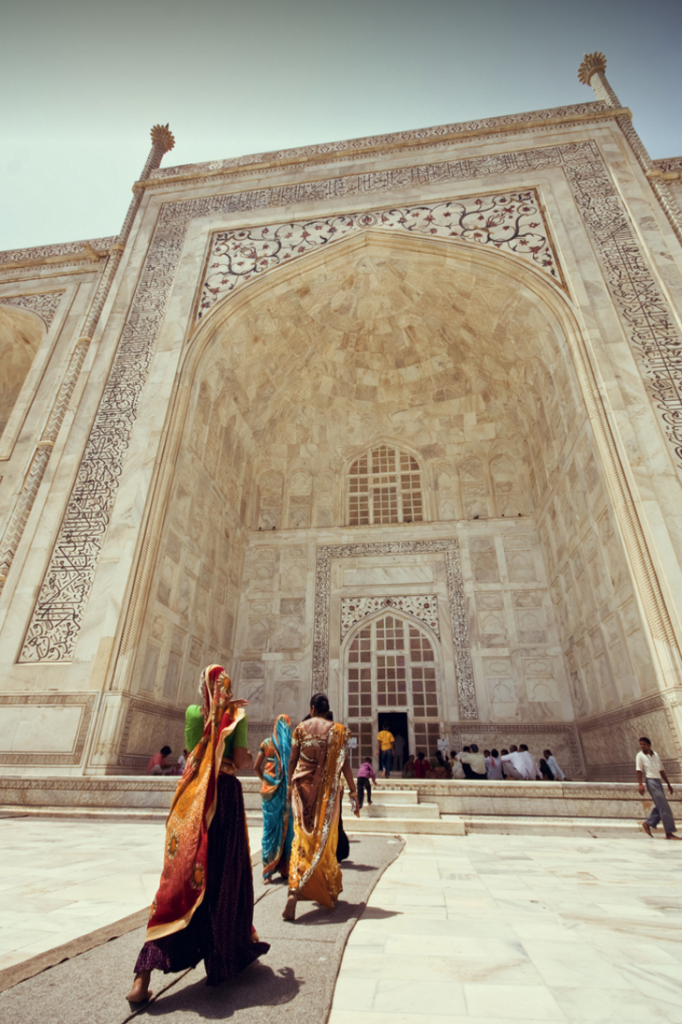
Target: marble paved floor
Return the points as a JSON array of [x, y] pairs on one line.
[[62, 879], [500, 929]]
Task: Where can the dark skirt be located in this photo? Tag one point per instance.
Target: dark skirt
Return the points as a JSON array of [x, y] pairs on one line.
[[220, 931], [343, 844]]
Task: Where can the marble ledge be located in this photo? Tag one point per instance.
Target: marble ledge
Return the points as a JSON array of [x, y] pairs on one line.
[[561, 800]]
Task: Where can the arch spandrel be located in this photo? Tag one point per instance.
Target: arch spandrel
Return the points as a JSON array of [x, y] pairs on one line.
[[512, 222], [21, 334]]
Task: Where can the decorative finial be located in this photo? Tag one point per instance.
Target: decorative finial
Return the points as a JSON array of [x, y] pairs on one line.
[[163, 136], [593, 62]]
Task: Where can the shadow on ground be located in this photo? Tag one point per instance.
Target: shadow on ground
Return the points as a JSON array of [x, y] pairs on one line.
[[300, 969]]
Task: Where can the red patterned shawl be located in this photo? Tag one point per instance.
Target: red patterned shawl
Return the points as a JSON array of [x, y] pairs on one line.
[[183, 878]]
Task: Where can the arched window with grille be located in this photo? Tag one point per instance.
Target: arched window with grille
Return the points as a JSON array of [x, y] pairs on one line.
[[391, 666], [384, 486]]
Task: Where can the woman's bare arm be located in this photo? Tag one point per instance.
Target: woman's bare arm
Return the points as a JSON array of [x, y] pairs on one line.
[[352, 788], [348, 775], [260, 757], [241, 758], [293, 761]]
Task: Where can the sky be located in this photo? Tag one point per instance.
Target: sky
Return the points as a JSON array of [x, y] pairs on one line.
[[90, 77]]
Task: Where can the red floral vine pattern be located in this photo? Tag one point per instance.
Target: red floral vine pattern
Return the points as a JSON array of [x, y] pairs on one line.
[[424, 608]]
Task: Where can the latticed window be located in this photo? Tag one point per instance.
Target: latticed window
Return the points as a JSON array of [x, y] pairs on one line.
[[384, 487], [392, 667]]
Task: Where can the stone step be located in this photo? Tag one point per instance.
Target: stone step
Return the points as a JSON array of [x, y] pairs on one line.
[[86, 813], [454, 826], [595, 828], [401, 820], [380, 795], [400, 810]]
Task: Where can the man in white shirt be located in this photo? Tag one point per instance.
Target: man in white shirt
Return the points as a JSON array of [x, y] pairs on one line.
[[530, 768], [512, 764], [473, 762], [650, 771], [553, 766]]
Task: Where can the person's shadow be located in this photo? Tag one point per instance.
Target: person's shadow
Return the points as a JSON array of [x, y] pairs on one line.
[[342, 913], [257, 986]]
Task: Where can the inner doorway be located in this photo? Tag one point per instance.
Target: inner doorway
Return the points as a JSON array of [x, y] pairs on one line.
[[391, 664], [396, 723]]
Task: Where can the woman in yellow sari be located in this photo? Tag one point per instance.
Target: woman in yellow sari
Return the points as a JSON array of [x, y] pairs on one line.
[[318, 758]]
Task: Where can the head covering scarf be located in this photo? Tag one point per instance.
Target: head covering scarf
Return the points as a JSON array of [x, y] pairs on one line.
[[278, 829], [183, 879]]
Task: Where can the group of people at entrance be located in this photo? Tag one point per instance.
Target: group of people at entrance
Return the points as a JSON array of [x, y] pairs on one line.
[[203, 909], [470, 763]]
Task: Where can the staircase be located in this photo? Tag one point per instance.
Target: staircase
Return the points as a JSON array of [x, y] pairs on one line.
[[400, 810]]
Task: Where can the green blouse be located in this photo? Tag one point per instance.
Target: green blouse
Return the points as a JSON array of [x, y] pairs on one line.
[[237, 738], [194, 728]]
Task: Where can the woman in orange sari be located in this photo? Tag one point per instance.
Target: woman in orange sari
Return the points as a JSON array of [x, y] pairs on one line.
[[204, 906], [318, 758]]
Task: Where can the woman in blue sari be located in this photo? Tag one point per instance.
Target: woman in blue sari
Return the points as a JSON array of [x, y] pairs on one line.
[[272, 768]]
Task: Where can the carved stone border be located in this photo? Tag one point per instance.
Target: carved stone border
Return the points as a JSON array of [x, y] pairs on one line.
[[92, 784], [656, 702], [351, 149], [466, 690], [85, 701], [521, 729], [626, 770], [55, 625], [43, 305], [148, 707]]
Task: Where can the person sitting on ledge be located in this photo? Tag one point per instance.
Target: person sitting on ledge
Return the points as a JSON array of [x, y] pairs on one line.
[[158, 764], [553, 765], [421, 766], [529, 768], [512, 763], [457, 767], [473, 763], [493, 766]]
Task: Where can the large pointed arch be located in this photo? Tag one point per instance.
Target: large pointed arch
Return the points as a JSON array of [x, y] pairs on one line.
[[557, 328]]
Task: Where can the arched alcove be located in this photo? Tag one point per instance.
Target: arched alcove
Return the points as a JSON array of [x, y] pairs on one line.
[[460, 355]]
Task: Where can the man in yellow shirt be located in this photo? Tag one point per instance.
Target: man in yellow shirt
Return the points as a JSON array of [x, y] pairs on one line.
[[385, 740]]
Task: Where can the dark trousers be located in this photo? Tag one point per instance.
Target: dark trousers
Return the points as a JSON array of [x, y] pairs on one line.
[[386, 762], [661, 810], [364, 786]]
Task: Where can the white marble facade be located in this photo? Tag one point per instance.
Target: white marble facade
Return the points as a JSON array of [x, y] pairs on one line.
[[454, 297]]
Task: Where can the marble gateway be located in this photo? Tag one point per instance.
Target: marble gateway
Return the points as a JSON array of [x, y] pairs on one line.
[[398, 418]]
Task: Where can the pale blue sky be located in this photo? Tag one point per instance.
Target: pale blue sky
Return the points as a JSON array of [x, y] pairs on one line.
[[89, 79]]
